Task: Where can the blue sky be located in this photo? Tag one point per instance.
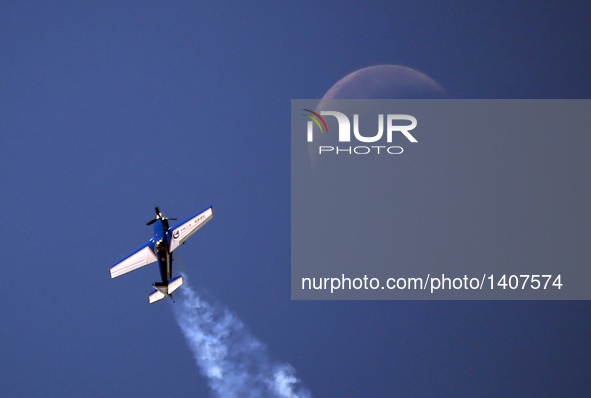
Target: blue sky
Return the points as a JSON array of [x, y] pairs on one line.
[[110, 109]]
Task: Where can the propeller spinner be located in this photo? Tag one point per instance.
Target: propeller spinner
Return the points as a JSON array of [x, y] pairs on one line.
[[159, 216]]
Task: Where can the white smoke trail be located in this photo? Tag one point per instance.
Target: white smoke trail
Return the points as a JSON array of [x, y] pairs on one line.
[[235, 363]]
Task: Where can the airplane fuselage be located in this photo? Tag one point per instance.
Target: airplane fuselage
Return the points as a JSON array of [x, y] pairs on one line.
[[163, 253]]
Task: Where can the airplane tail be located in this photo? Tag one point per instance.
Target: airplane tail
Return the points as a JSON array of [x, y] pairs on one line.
[[163, 290]]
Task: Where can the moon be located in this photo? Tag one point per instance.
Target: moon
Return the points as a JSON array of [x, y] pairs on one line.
[[378, 82], [386, 82]]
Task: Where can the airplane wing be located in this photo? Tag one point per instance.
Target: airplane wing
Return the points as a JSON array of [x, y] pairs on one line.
[[182, 231], [142, 256]]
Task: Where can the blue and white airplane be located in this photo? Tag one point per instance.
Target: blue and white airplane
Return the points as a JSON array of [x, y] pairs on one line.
[[160, 248]]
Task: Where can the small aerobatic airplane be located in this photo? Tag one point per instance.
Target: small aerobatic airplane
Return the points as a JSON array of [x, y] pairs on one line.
[[160, 248]]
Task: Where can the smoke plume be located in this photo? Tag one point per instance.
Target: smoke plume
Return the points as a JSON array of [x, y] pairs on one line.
[[235, 363]]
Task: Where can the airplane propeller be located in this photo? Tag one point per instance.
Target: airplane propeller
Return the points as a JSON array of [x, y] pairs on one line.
[[159, 216]]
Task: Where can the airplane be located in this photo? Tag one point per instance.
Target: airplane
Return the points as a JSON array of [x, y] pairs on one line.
[[160, 248]]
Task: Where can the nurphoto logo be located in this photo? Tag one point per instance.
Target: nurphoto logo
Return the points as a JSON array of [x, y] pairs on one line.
[[392, 127]]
